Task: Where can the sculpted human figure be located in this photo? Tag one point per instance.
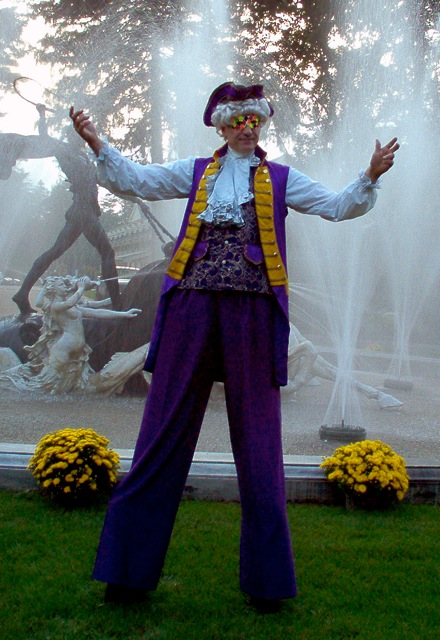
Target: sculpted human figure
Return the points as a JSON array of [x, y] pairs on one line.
[[58, 361], [305, 363], [82, 217], [223, 316]]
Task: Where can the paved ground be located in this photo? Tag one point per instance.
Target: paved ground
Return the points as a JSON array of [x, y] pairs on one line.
[[413, 430]]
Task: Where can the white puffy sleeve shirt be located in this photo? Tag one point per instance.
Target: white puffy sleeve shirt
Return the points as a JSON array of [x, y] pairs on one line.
[[170, 180]]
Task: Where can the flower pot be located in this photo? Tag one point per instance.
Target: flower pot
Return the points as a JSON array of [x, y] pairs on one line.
[[370, 473], [368, 502]]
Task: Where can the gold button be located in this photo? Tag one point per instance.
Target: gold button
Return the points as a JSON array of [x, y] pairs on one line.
[[275, 254], [278, 266], [267, 179], [264, 170]]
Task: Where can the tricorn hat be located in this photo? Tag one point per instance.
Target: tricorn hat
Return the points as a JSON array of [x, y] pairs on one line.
[[230, 92]]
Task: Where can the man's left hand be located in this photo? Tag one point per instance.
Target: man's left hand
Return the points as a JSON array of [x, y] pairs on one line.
[[382, 159]]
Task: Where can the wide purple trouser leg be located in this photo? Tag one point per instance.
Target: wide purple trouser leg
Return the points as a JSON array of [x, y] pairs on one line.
[[205, 332], [254, 413]]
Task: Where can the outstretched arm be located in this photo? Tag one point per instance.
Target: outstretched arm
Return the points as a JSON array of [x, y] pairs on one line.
[[97, 304], [382, 159], [123, 176], [84, 127], [88, 312]]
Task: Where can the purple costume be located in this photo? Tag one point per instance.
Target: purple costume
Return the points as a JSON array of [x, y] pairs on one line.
[[202, 335], [280, 343], [223, 315]]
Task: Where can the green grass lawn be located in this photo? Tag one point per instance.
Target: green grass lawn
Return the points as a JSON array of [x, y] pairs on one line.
[[365, 575]]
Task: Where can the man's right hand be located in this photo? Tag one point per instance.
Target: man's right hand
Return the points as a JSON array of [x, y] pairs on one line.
[[84, 127]]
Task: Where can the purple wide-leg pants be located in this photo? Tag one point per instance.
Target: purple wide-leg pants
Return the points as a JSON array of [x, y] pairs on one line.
[[206, 334]]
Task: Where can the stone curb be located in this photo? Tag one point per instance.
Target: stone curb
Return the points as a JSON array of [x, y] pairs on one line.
[[213, 477]]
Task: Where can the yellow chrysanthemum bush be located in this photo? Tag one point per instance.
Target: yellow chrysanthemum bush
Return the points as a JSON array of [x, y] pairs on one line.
[[75, 465], [368, 469]]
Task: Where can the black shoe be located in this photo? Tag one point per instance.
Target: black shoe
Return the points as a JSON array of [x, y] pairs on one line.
[[119, 594], [264, 605]]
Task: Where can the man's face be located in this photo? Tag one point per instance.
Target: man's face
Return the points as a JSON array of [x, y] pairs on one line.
[[243, 133]]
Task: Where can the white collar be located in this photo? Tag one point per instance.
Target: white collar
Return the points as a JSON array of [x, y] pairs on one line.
[[229, 188]]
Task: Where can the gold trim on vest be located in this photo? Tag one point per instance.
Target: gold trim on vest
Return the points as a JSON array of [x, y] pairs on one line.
[[264, 209], [263, 190], [178, 263]]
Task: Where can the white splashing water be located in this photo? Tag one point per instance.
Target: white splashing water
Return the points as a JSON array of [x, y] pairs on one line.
[[395, 249], [196, 64]]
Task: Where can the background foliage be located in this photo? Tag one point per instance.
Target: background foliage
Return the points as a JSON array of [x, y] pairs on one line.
[[110, 54], [123, 62]]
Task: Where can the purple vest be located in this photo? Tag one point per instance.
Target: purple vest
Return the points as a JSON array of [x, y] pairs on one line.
[[278, 174]]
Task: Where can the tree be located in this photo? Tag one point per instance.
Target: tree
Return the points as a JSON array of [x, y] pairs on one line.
[[22, 214], [286, 45], [117, 57], [109, 52], [123, 62], [11, 26]]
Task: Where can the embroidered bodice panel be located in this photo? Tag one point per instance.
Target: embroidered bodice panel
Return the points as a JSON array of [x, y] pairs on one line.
[[228, 258]]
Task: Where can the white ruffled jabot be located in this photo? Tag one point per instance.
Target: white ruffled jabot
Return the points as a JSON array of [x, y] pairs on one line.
[[228, 189]]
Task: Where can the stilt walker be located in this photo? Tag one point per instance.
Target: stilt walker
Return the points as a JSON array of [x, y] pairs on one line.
[[223, 315]]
